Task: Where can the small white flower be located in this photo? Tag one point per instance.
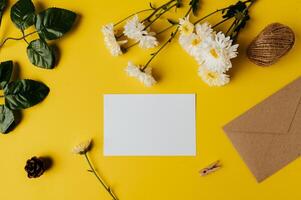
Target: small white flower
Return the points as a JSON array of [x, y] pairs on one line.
[[145, 77], [133, 28], [217, 57], [195, 43], [226, 44], [204, 30], [83, 147], [148, 41], [110, 40], [186, 27], [213, 78]]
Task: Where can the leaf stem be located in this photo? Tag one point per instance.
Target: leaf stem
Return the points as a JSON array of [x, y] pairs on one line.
[[20, 38], [141, 11], [107, 188], [24, 37]]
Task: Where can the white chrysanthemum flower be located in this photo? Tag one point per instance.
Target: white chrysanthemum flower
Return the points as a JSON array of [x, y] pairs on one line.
[[83, 147], [213, 78], [226, 43], [195, 43], [134, 29], [110, 40], [148, 41], [186, 27], [145, 77], [217, 56]]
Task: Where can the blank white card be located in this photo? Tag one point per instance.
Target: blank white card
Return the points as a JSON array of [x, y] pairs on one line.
[[149, 125]]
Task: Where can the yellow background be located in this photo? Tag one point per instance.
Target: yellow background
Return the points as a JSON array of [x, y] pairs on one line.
[[73, 111]]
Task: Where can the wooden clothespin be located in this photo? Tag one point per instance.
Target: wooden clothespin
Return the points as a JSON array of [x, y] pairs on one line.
[[211, 168]]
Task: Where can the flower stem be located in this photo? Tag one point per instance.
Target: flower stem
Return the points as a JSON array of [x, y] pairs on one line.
[[173, 34], [20, 38], [210, 14], [219, 23], [156, 10], [107, 188], [141, 11], [166, 29], [159, 15], [238, 22]]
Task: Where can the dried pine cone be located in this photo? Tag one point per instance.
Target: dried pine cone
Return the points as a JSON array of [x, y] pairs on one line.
[[35, 167]]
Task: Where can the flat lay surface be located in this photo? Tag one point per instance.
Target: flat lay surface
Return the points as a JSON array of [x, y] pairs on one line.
[[74, 111]]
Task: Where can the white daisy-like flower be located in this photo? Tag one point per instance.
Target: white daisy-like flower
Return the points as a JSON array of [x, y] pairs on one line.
[[110, 40], [195, 43], [148, 41], [217, 56], [213, 78], [143, 76], [226, 43], [134, 29], [186, 27], [83, 147]]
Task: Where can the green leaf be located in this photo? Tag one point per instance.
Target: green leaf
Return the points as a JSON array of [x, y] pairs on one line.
[[6, 69], [3, 4], [22, 14], [7, 119], [195, 5], [53, 23], [40, 54], [23, 94]]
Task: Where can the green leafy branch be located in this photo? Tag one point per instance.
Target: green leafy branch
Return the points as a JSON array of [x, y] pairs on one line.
[[18, 95], [50, 24]]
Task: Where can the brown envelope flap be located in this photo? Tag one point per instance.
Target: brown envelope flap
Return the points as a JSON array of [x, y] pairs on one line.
[[265, 154], [273, 115]]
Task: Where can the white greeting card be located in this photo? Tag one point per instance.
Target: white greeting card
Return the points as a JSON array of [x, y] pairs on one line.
[[149, 125]]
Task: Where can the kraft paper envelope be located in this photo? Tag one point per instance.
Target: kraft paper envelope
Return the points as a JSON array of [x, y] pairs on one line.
[[268, 136]]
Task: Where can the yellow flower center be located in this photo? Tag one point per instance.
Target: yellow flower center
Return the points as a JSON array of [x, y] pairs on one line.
[[196, 41], [212, 75], [214, 53], [187, 28]]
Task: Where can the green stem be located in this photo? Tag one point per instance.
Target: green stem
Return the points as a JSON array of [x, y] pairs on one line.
[[239, 21], [210, 14], [166, 29], [159, 15], [20, 38], [23, 34], [141, 11], [157, 52], [164, 45], [231, 27], [156, 10], [99, 179], [219, 23]]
